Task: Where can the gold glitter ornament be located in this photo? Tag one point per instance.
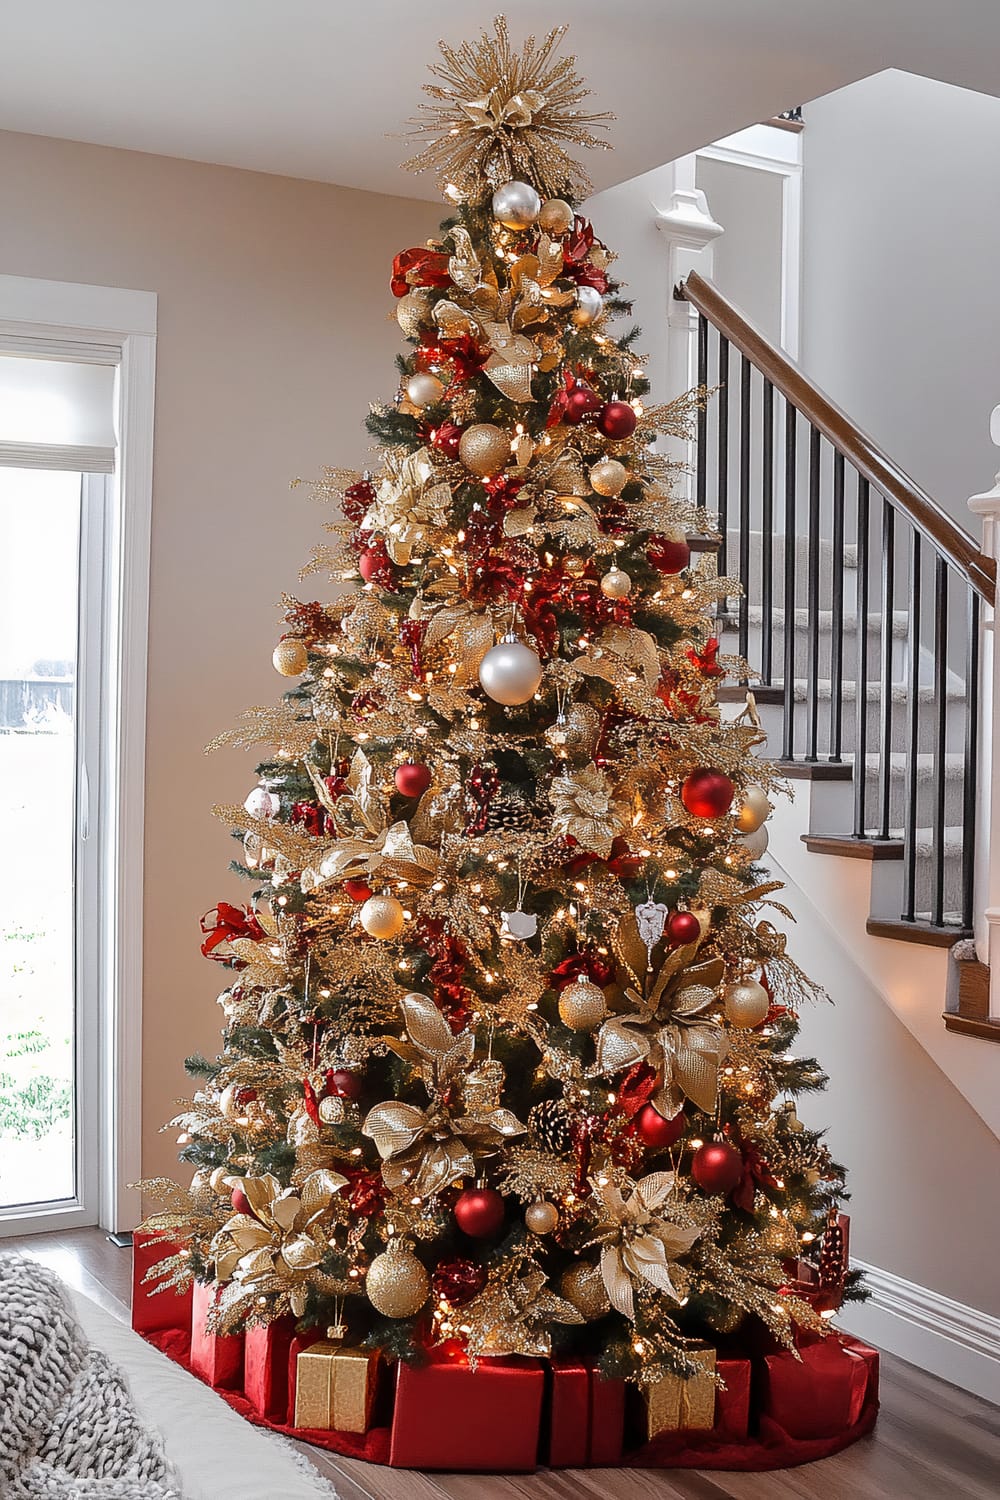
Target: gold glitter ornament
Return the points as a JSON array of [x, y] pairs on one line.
[[616, 584], [608, 477], [397, 1283], [382, 917], [575, 566], [582, 1006], [541, 1217], [746, 1003], [423, 388], [754, 810], [413, 312], [484, 448], [583, 1286], [556, 216], [290, 657]]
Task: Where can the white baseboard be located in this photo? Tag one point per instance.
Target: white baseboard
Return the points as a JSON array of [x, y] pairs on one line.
[[946, 1338]]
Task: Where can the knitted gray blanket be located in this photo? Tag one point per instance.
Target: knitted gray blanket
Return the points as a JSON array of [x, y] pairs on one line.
[[68, 1428]]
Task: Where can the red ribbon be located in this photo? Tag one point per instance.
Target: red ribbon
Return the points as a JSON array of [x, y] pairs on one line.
[[576, 251], [358, 499], [225, 922], [756, 1174], [418, 267], [621, 861], [411, 633], [586, 963], [444, 977], [481, 787], [706, 661]]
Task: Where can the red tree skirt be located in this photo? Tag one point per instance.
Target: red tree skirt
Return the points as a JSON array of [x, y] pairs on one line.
[[770, 1448]]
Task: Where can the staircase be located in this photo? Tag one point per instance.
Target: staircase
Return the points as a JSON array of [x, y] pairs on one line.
[[861, 622]]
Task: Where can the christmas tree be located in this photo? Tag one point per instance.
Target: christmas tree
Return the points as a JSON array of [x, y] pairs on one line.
[[508, 1034]]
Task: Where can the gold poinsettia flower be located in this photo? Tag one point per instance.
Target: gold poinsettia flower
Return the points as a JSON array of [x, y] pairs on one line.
[[586, 809], [639, 1244], [409, 506]]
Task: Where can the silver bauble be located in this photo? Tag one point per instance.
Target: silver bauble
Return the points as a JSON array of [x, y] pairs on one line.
[[582, 1006], [589, 306], [516, 205], [755, 843], [608, 477], [423, 388], [616, 584], [746, 1003], [754, 810], [511, 672]]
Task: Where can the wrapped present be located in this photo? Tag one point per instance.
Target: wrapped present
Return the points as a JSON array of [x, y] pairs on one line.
[[817, 1393], [265, 1366], [675, 1404], [153, 1310], [335, 1387], [586, 1416], [732, 1400], [871, 1358], [216, 1358], [449, 1416]]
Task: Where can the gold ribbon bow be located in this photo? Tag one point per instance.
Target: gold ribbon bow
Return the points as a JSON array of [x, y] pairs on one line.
[[391, 856], [639, 1246], [492, 112], [410, 503], [425, 1150]]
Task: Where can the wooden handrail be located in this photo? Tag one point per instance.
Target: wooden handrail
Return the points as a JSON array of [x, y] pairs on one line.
[[903, 493]]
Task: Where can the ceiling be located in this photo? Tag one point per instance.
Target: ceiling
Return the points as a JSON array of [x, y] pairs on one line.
[[309, 88]]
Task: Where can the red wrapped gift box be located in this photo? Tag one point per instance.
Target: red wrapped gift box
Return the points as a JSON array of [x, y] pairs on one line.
[[266, 1348], [586, 1416], [449, 1416], [217, 1358], [732, 1405], [166, 1309], [819, 1394]]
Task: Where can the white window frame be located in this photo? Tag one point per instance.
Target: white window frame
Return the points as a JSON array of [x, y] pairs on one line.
[[109, 324]]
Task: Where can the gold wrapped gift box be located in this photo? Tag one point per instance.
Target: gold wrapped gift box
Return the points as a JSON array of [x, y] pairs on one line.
[[674, 1404], [335, 1387]]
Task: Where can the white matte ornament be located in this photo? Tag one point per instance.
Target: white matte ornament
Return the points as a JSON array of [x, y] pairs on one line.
[[382, 917], [616, 584], [261, 803], [589, 306], [423, 388], [516, 205], [511, 672], [746, 1003], [519, 925], [755, 843], [754, 810]]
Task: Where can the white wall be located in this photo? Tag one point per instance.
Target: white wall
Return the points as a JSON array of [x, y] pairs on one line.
[[901, 296], [274, 334]]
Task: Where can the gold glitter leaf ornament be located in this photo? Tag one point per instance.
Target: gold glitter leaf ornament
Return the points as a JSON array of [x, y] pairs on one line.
[[498, 115], [639, 1245]]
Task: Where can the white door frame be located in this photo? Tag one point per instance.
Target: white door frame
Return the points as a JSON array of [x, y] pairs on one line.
[[118, 326]]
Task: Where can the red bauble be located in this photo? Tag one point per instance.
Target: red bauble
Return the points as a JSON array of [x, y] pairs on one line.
[[344, 1084], [358, 890], [581, 403], [683, 927], [368, 564], [716, 1167], [447, 438], [656, 1132], [668, 556], [412, 779], [240, 1201], [479, 1212], [707, 793], [617, 420]]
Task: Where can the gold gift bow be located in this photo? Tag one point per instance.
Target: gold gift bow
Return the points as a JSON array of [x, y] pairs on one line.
[[494, 113], [428, 1149], [638, 1245]]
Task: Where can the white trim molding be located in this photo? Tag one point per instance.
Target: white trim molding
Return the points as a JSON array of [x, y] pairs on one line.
[[116, 326], [948, 1339]]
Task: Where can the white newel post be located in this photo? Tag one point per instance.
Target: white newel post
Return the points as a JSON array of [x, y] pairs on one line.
[[689, 233], [987, 920]]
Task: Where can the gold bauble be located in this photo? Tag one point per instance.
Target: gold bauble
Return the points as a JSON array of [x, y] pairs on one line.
[[616, 584], [556, 216], [366, 621], [423, 388], [575, 566], [331, 1110], [582, 1006], [746, 1003], [583, 1286], [608, 477], [484, 448], [382, 917], [754, 810], [397, 1283], [414, 311], [541, 1217], [290, 656]]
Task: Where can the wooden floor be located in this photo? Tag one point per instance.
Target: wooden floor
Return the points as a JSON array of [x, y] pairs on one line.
[[932, 1442]]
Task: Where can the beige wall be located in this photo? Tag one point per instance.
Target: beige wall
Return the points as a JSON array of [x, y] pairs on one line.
[[273, 337]]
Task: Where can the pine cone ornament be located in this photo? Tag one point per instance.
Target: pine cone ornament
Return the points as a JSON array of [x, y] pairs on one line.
[[549, 1125], [510, 813]]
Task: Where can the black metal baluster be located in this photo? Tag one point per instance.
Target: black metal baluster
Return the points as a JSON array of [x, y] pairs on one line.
[[722, 461], [766, 537], [861, 724], [812, 616], [837, 608], [912, 738], [940, 734], [701, 460], [970, 785], [788, 745], [744, 545], [885, 729]]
